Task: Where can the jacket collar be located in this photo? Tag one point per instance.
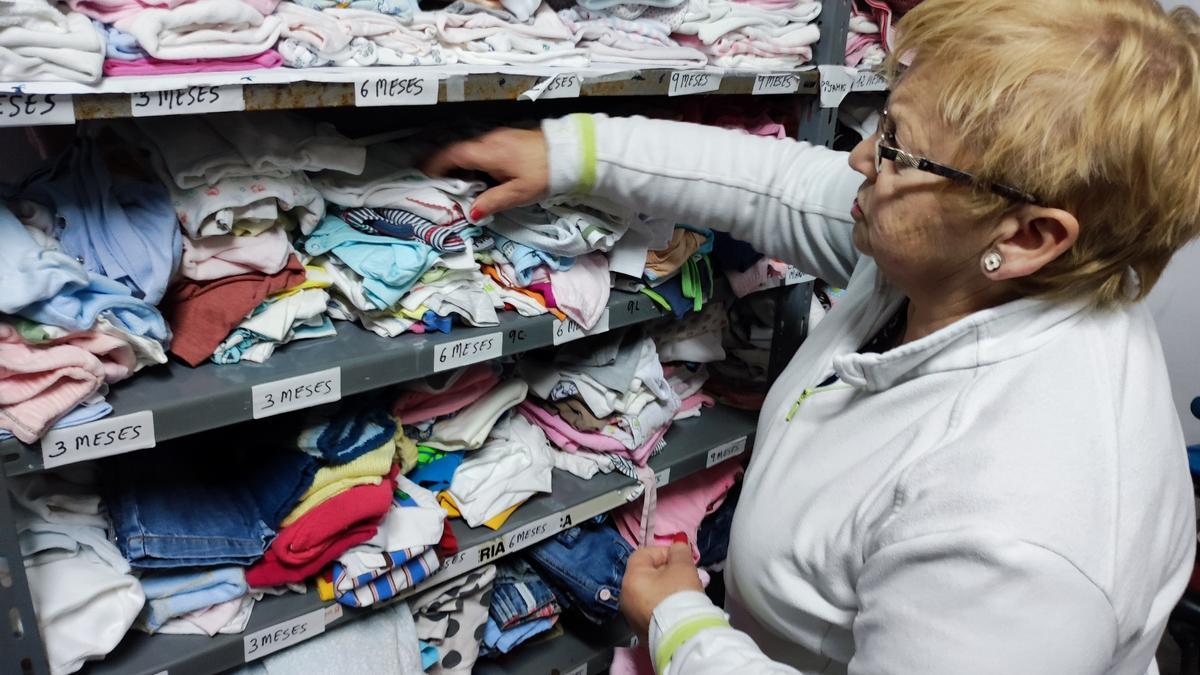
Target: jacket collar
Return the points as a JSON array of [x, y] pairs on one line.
[[985, 337]]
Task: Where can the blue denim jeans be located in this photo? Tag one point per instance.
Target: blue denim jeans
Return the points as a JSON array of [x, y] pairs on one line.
[[517, 592], [587, 563], [194, 508]]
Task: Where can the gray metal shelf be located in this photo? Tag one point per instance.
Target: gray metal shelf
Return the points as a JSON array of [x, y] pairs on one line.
[[187, 400], [720, 434]]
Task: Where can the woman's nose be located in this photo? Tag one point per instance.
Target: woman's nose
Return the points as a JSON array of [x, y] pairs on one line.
[[862, 157]]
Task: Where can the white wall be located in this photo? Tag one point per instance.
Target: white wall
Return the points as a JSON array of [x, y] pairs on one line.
[[1175, 302]]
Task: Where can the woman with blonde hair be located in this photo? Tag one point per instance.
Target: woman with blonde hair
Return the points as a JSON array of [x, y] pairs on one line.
[[973, 464]]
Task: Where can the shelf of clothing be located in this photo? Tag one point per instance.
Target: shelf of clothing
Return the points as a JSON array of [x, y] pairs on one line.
[[183, 400], [284, 89], [582, 649], [720, 434]]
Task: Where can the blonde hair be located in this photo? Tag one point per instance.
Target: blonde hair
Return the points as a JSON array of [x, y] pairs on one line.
[[1092, 105]]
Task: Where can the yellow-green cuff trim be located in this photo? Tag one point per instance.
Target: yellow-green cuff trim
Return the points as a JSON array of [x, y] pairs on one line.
[[681, 633], [587, 156]]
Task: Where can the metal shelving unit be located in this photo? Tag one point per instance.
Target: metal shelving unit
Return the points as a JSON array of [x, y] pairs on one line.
[[719, 434], [184, 401]]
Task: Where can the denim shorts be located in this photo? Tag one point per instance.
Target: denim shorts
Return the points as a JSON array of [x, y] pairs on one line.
[[517, 592], [587, 563], [190, 508]]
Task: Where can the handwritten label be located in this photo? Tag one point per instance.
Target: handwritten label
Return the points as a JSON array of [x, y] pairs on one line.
[[283, 635], [581, 669], [102, 438], [464, 352], [186, 101], [333, 613], [776, 83], [567, 330], [295, 393], [563, 85], [22, 110], [379, 91], [662, 478], [869, 81], [793, 277], [684, 82], [530, 534], [723, 452], [836, 82]]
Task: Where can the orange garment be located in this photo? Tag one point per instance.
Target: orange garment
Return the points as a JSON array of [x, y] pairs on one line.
[[537, 297], [684, 243]]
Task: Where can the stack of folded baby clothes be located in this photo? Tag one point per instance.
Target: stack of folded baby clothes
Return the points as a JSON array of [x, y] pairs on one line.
[[243, 290]]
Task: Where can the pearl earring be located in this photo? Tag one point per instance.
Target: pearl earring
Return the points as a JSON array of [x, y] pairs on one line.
[[992, 260]]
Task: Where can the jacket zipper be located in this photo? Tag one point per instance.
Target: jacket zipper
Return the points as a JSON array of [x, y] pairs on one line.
[[809, 393]]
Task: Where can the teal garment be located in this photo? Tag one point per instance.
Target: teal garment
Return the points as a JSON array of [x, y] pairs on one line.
[[429, 655], [233, 348], [389, 267]]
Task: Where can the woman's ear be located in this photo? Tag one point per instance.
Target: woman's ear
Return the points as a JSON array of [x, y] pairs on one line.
[[1030, 238]]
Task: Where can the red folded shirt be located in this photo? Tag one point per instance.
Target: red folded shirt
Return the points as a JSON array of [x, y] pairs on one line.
[[203, 313], [318, 537]]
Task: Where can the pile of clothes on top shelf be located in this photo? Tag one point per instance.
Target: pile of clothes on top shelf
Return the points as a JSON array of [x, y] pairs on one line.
[[872, 30], [83, 40]]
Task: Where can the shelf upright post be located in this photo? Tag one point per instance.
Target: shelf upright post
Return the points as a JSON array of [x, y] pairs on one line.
[[21, 649], [817, 124]]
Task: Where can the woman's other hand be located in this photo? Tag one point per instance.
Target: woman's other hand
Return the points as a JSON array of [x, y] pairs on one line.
[[517, 158], [653, 574]]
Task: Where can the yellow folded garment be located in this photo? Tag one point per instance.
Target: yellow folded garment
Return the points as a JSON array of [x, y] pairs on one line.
[[368, 469], [324, 588], [314, 277], [406, 451], [450, 507]]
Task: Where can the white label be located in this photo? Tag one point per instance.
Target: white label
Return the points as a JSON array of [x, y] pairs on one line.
[[723, 452], [464, 352], [565, 330], [295, 393], [528, 535], [869, 81], [187, 100], [102, 438], [581, 669], [379, 91], [22, 110], [333, 613], [162, 672], [563, 85], [776, 83], [662, 478], [835, 84], [684, 82], [793, 276], [283, 635]]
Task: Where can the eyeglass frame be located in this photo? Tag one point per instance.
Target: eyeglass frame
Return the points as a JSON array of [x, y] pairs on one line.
[[909, 160]]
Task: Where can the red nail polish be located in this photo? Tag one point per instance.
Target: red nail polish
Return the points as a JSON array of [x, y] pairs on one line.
[[477, 213]]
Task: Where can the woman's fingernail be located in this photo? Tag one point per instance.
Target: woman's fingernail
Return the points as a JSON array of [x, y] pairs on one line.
[[477, 213]]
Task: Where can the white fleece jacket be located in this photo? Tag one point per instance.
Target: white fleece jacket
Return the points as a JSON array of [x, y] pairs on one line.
[[1007, 495]]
